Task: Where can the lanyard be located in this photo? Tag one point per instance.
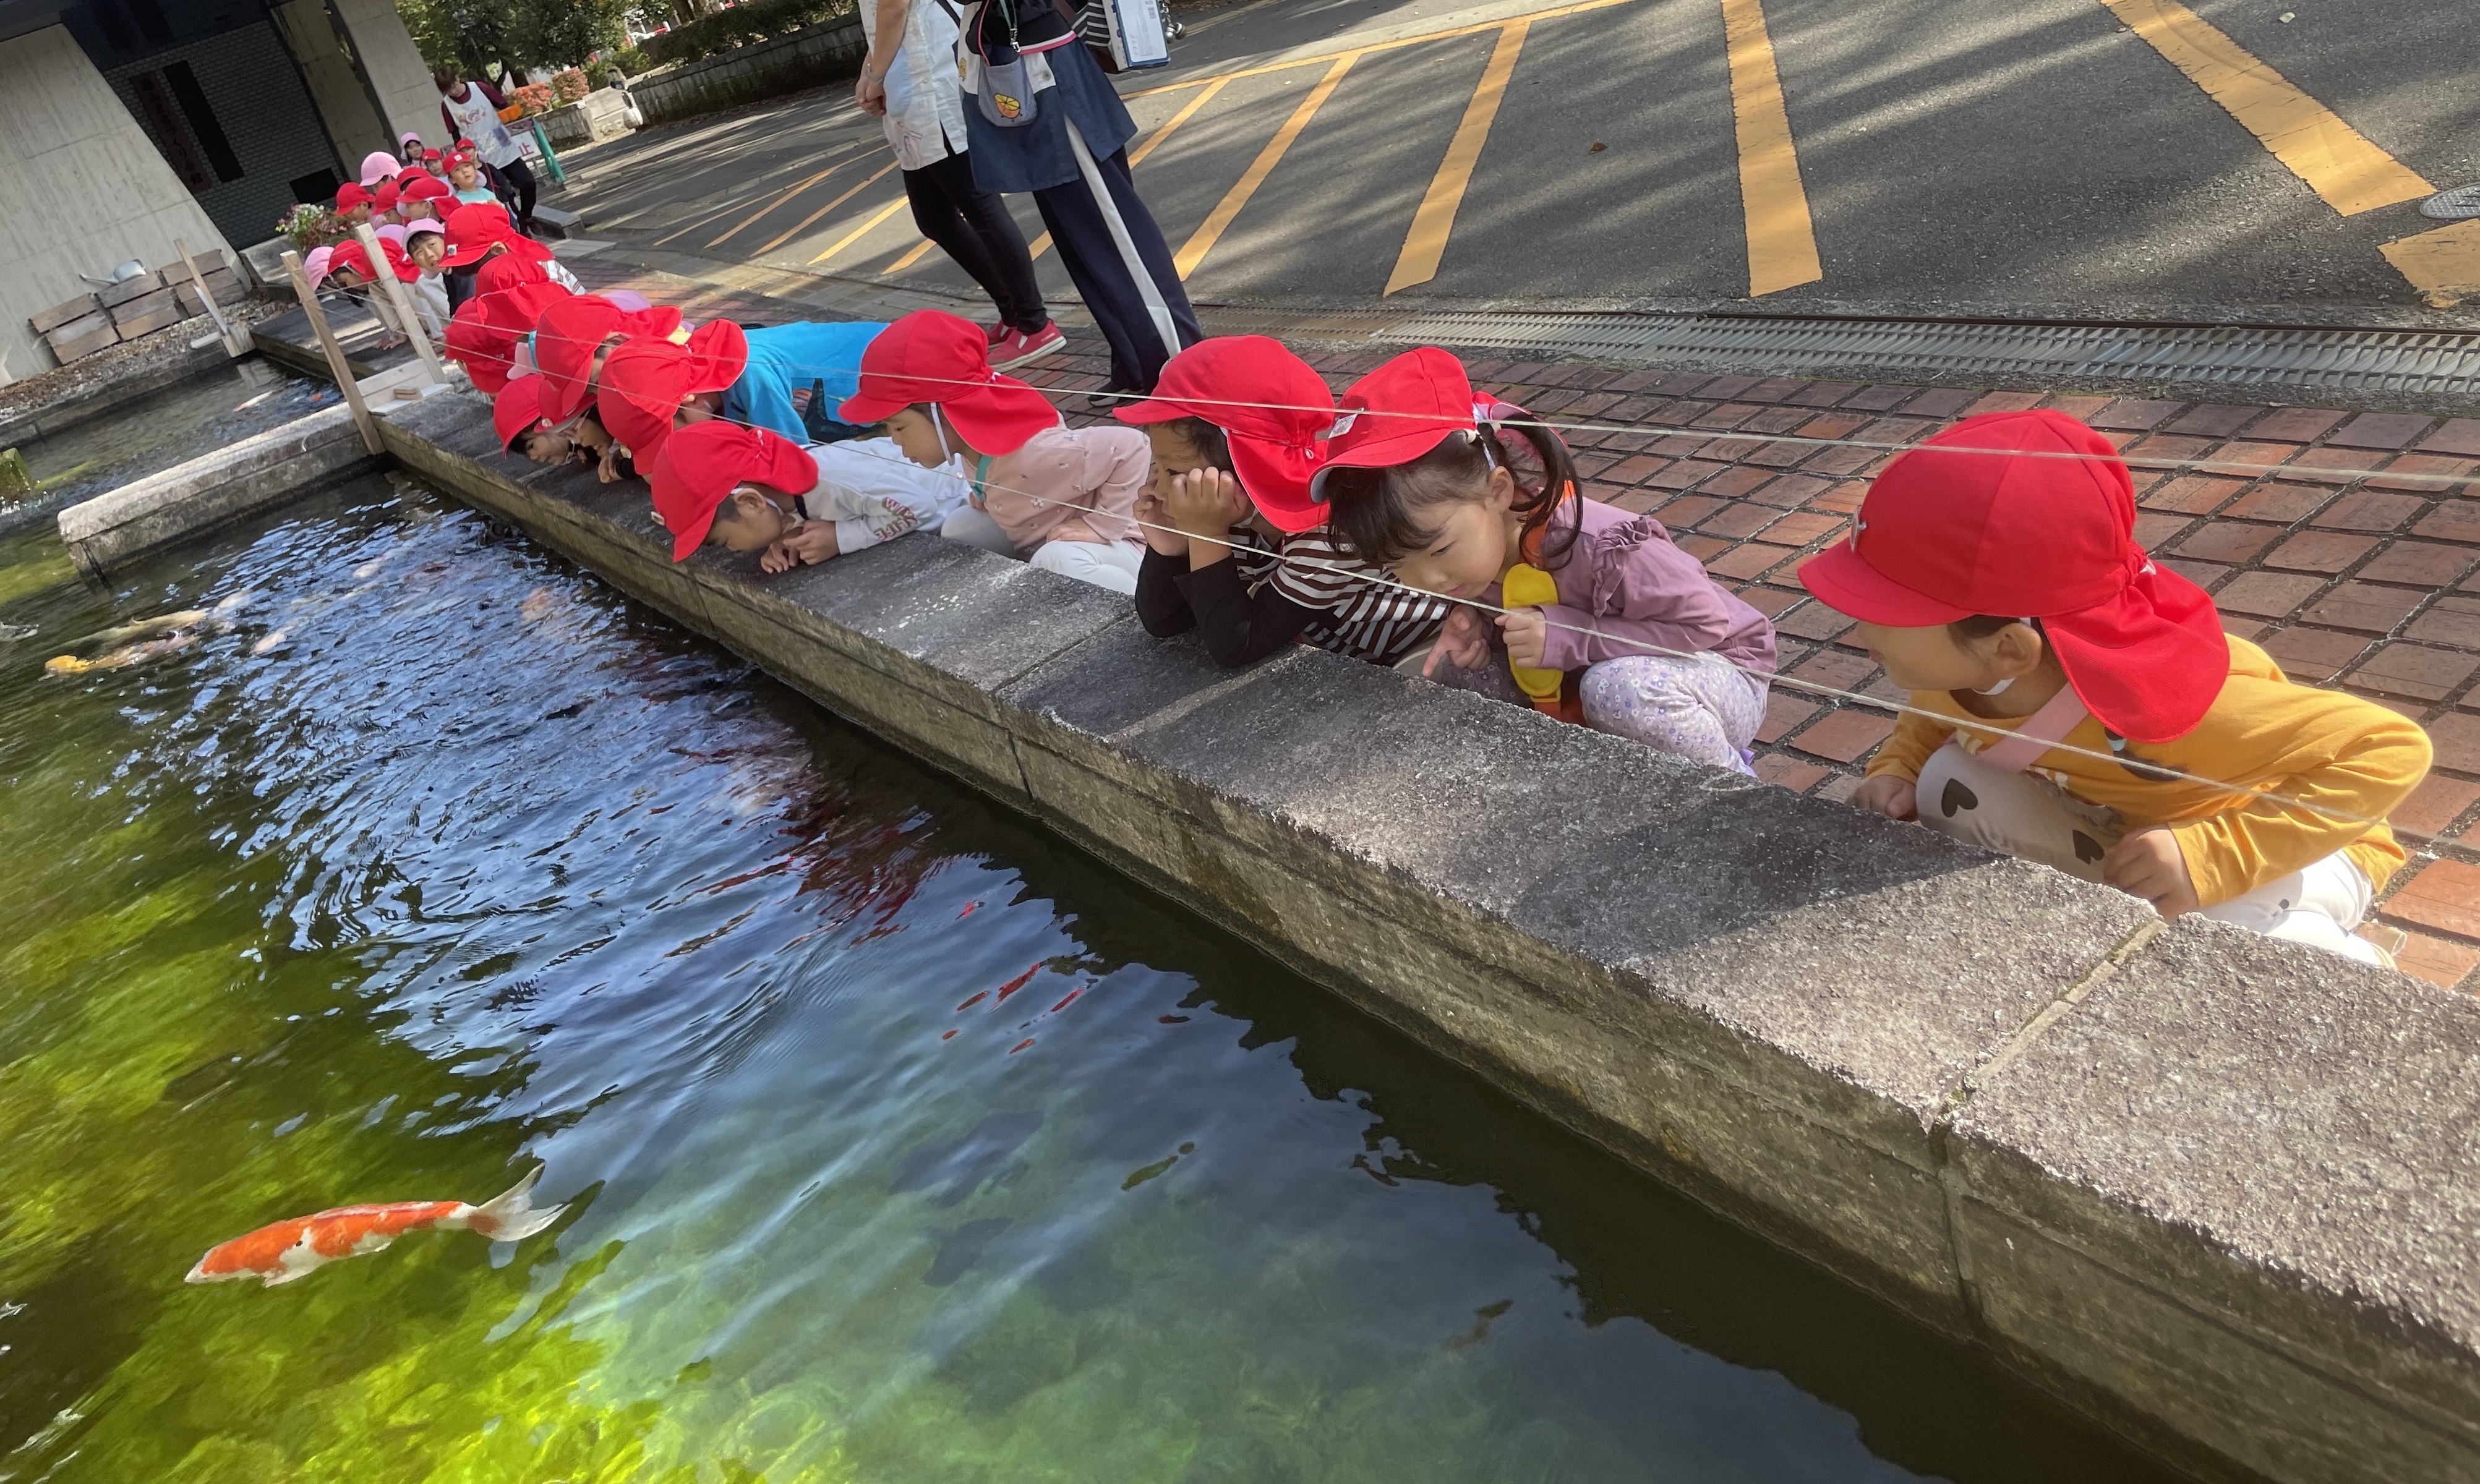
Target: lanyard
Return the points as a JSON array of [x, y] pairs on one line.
[[981, 476]]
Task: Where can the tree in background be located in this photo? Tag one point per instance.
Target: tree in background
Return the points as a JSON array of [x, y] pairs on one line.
[[480, 38]]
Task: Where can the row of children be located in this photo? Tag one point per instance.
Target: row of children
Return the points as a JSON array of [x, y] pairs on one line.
[[436, 236], [2070, 701]]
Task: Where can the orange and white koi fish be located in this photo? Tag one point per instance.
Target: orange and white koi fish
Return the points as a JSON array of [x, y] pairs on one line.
[[286, 1250]]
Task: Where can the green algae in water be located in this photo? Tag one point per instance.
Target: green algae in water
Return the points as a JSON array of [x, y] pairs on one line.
[[903, 1144]]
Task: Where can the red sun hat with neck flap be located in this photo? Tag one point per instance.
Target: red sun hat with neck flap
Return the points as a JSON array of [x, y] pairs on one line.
[[2035, 518], [929, 356], [477, 226], [1397, 412], [646, 380], [571, 330], [705, 462], [516, 409], [483, 332], [1273, 409]]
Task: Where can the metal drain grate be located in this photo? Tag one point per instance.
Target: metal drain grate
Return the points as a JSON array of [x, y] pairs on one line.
[[2354, 360]]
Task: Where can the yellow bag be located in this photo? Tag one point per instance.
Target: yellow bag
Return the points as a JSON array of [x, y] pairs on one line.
[[1528, 586]]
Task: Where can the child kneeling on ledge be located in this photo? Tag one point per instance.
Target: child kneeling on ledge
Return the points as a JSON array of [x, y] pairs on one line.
[[1055, 496], [2002, 586], [748, 489], [1608, 623]]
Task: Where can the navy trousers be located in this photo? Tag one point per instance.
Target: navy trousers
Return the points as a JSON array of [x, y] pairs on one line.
[[1114, 255]]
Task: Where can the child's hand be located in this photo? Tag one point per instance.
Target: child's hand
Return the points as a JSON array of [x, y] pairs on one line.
[[1463, 641], [807, 546], [607, 468], [1528, 634], [1207, 502], [2149, 864], [1895, 798], [1153, 522]]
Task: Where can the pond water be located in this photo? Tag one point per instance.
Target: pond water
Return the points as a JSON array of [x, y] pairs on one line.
[[900, 1142], [174, 427]]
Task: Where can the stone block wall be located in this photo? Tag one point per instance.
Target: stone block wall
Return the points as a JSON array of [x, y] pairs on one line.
[[786, 63]]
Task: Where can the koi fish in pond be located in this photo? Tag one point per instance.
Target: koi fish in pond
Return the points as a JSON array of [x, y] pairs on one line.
[[286, 1250]]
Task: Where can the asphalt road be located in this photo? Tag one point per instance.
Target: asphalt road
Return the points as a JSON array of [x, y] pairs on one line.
[[2036, 158]]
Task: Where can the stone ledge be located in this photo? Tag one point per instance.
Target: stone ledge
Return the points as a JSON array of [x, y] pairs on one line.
[[2215, 1189], [233, 482]]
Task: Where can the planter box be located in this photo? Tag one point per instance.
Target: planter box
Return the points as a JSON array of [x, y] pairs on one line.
[[601, 115], [786, 63], [82, 337], [263, 263], [58, 315]]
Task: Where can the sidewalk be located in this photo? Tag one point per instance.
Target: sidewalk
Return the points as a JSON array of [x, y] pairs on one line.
[[2361, 583]]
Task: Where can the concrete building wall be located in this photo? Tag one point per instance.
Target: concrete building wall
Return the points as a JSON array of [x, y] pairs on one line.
[[260, 103], [87, 189], [344, 103], [396, 72]]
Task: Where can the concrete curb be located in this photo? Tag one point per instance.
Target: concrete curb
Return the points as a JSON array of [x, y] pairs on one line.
[[253, 475], [2216, 1190]]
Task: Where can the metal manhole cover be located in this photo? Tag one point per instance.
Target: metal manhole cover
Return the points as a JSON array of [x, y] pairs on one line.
[[2459, 204]]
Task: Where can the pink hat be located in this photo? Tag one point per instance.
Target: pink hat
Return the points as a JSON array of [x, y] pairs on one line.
[[314, 265], [419, 225], [389, 232], [378, 166]]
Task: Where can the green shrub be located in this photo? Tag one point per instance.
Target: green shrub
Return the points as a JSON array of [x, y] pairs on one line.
[[630, 62], [751, 20]]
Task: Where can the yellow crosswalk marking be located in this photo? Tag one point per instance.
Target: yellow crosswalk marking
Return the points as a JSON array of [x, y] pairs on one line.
[[1366, 47], [2335, 159], [1154, 140], [746, 221], [1782, 239], [803, 224], [861, 231], [2444, 264], [1427, 242], [1194, 251]]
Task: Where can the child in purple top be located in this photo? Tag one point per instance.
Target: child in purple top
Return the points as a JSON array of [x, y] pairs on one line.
[[1424, 480]]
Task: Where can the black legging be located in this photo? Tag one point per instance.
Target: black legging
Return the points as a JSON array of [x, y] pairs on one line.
[[517, 187], [972, 226]]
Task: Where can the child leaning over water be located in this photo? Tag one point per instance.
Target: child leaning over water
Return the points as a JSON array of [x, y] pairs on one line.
[[1056, 497], [1236, 546], [2005, 589], [1609, 624], [747, 489]]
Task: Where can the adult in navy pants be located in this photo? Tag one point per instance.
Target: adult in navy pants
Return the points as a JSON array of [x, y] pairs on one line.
[[1074, 157]]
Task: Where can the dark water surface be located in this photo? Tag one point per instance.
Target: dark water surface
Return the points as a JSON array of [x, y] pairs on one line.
[[174, 426], [904, 1143]]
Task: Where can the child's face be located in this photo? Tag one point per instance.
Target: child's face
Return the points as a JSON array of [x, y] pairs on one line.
[[589, 434], [1934, 659], [346, 279], [426, 249], [1173, 455], [546, 445], [464, 177], [357, 214], [747, 521], [1473, 546], [917, 437]]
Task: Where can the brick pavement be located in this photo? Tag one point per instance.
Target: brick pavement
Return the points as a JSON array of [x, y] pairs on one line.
[[2348, 574]]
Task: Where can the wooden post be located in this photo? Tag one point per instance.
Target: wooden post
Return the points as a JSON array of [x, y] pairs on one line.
[[233, 345], [394, 291], [337, 365]]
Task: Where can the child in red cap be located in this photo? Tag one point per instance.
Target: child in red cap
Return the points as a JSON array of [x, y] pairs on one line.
[[1236, 546], [749, 489], [526, 431], [1056, 497], [2002, 586], [353, 204], [1608, 623]]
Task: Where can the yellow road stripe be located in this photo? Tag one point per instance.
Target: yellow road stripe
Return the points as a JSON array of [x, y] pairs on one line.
[[1427, 242], [745, 221], [919, 250], [1156, 139], [1210, 232], [708, 220], [1367, 47], [2442, 264], [1038, 247], [803, 224], [2336, 160], [1782, 242], [864, 230]]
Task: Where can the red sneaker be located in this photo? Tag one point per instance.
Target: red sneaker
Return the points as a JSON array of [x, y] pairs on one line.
[[992, 334], [1016, 347]]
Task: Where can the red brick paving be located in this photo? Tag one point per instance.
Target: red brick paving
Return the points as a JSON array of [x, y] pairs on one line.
[[2340, 563]]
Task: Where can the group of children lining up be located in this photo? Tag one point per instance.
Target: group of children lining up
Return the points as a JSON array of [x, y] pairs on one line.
[[2070, 703]]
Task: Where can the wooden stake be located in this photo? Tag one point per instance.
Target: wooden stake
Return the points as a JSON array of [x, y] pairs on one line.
[[337, 365], [233, 346], [411, 322]]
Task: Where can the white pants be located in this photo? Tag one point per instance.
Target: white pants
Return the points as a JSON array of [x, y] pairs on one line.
[[2028, 816], [1112, 566]]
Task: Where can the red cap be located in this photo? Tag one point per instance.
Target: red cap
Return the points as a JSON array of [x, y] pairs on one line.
[[1942, 537], [1399, 412], [701, 465], [422, 187], [483, 332], [384, 198], [351, 255], [351, 195], [929, 356], [477, 226], [507, 272], [1277, 446], [517, 409], [570, 331], [647, 378]]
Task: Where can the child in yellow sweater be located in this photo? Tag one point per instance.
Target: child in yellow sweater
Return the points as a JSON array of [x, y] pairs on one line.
[[2005, 589]]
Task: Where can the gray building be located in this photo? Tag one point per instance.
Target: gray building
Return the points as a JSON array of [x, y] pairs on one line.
[[130, 122]]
